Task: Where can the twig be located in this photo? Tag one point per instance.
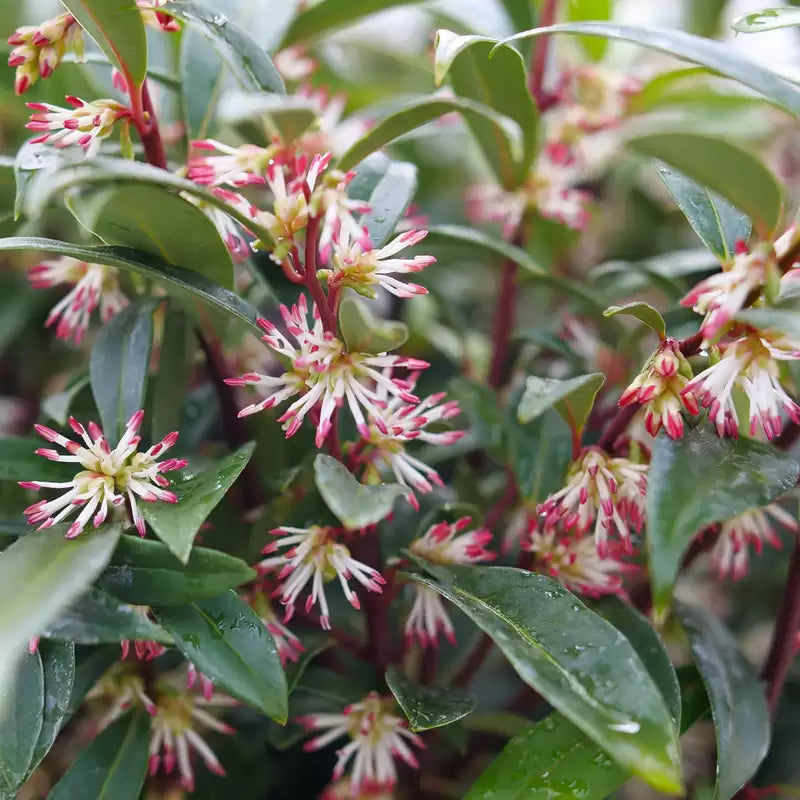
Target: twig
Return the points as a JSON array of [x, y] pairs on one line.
[[475, 661], [544, 100], [150, 133], [503, 322], [312, 281]]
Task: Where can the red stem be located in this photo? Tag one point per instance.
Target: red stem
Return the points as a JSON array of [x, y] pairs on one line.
[[539, 58], [503, 322], [146, 122], [469, 670], [312, 281]]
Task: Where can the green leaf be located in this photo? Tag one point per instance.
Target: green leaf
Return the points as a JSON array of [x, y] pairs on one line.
[[644, 312], [182, 283], [694, 698], [21, 709], [576, 660], [145, 572], [572, 398], [428, 707], [90, 664], [363, 332], [57, 406], [261, 118], [499, 82], [418, 112], [247, 60], [785, 320], [389, 201], [583, 10], [41, 574], [738, 705], [699, 479], [112, 767], [176, 353], [158, 222], [58, 666], [717, 56], [329, 15], [99, 618], [119, 364], [30, 158], [738, 176], [768, 19], [176, 524], [714, 220], [224, 638], [118, 30], [19, 462], [355, 504]]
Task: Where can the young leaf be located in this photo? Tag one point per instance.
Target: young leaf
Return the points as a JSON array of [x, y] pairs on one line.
[[701, 479], [182, 283], [21, 711], [738, 176], [248, 62], [717, 56], [119, 364], [145, 572], [224, 638], [428, 707], [355, 504], [499, 82], [715, 221], [572, 398], [19, 462], [422, 110], [118, 30], [30, 158], [40, 576], [644, 312], [176, 524], [576, 660], [363, 332], [738, 705], [112, 767], [768, 19], [582, 10], [389, 201]]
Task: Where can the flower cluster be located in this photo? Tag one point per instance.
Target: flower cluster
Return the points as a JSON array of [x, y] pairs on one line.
[[289, 646]]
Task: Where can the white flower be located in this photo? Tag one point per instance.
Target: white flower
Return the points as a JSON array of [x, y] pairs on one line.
[[108, 476], [294, 64], [236, 166], [317, 556], [93, 285], [159, 20], [377, 738], [143, 649], [289, 646]]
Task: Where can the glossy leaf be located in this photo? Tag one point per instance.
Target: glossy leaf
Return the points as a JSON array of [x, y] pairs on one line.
[[42, 574], [389, 201], [247, 60], [57, 406], [158, 222], [715, 479], [593, 10], [176, 524], [575, 659], [717, 56], [99, 618], [182, 283], [171, 380], [202, 71], [145, 572], [714, 220], [420, 111], [19, 462], [21, 709], [428, 707], [224, 638], [738, 705], [498, 82], [112, 767], [572, 398], [768, 19], [30, 158], [355, 504], [119, 364], [644, 312], [363, 332], [118, 30], [738, 176]]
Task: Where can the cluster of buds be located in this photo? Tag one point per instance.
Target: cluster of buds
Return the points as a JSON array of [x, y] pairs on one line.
[[108, 477], [143, 649]]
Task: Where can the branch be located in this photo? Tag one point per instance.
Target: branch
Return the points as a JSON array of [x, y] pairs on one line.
[[544, 100], [150, 133], [312, 283], [504, 315]]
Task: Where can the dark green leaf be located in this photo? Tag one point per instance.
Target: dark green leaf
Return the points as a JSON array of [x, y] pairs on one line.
[[355, 504], [112, 767], [57, 406], [738, 705], [583, 10], [247, 60], [768, 19], [363, 332], [426, 109], [738, 176], [30, 158], [694, 698], [21, 709], [498, 82], [644, 312], [183, 283], [41, 574], [389, 200], [224, 638], [118, 30], [145, 572], [172, 378], [576, 660], [572, 398], [701, 479], [176, 524], [428, 707], [19, 462], [717, 56], [714, 220], [90, 664], [119, 364]]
